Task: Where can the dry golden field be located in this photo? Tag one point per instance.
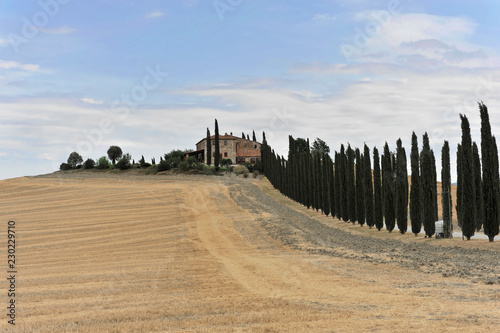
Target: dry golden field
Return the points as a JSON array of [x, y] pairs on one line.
[[110, 253]]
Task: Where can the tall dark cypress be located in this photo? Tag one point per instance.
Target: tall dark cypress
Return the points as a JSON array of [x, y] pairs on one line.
[[469, 193], [360, 192], [434, 187], [415, 199], [401, 188], [478, 183], [378, 214], [489, 155], [460, 185], [217, 147], [308, 174], [426, 185], [388, 189], [317, 182], [331, 186], [446, 201], [351, 184], [368, 187], [338, 186], [209, 148], [253, 136], [325, 183], [344, 184]]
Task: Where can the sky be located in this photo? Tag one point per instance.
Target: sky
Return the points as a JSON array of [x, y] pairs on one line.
[[150, 76]]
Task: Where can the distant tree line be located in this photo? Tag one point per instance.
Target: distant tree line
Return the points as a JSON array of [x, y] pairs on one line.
[[353, 189]]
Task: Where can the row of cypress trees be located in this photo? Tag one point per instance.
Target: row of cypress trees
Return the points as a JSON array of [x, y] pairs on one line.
[[347, 188]]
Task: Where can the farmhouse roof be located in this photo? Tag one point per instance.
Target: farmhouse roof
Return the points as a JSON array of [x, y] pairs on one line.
[[226, 137]]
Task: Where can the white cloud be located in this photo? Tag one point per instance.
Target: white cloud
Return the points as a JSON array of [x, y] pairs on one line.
[[3, 42], [324, 17], [416, 40], [64, 30], [91, 101], [16, 65], [156, 14]]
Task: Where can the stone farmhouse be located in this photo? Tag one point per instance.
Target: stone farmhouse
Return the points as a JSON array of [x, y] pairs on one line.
[[237, 149]]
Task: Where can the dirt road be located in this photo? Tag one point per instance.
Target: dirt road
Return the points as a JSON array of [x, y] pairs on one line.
[[103, 253]]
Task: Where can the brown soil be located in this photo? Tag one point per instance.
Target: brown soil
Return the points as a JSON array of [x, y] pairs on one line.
[[114, 253]]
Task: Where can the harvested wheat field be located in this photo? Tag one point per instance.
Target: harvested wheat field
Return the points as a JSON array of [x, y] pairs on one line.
[[166, 253]]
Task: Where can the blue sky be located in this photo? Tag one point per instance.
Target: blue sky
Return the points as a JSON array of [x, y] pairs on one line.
[[151, 76]]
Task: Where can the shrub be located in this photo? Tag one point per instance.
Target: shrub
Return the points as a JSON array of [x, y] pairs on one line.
[[255, 173], [241, 170], [184, 165], [225, 162], [163, 166], [249, 166], [65, 166], [89, 164], [102, 163], [258, 166], [210, 171], [124, 162]]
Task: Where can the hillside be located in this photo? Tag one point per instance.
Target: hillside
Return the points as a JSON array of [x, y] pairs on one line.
[[129, 253]]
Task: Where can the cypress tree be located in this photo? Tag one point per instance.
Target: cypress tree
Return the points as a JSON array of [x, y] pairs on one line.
[[459, 185], [479, 187], [242, 135], [253, 136], [489, 155], [378, 214], [303, 176], [415, 200], [331, 185], [351, 190], [368, 187], [316, 182], [360, 192], [468, 193], [446, 201], [319, 183], [217, 147], [344, 184], [426, 185], [401, 188], [338, 186], [326, 184], [388, 188], [310, 177], [434, 187], [209, 148]]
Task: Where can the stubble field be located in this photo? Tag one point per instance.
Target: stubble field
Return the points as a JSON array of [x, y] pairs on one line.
[[131, 253]]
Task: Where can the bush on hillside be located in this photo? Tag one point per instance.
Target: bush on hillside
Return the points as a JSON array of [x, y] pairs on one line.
[[65, 166], [241, 170], [124, 162], [163, 166], [102, 163], [89, 164]]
